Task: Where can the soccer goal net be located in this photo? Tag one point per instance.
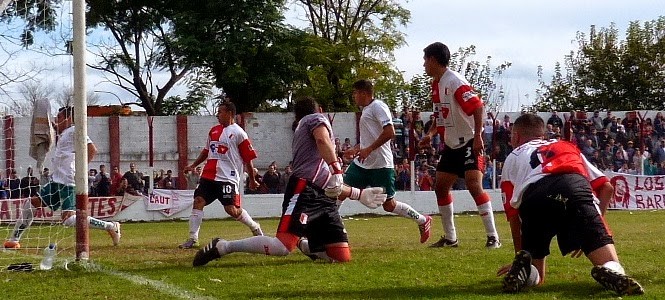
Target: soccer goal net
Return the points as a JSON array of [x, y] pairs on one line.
[[26, 230]]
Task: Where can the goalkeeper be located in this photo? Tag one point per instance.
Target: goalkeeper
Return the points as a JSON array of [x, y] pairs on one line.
[[310, 219], [59, 193]]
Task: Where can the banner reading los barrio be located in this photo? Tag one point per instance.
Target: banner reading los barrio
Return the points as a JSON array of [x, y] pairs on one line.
[[635, 192]]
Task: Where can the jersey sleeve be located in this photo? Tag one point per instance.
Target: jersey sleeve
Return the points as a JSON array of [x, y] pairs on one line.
[[383, 115], [596, 177], [247, 152], [316, 121], [507, 189], [467, 99]]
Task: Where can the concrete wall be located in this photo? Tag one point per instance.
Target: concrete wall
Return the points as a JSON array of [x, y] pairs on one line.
[[270, 134]]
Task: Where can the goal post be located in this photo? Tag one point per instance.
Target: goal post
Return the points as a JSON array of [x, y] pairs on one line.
[[81, 129]]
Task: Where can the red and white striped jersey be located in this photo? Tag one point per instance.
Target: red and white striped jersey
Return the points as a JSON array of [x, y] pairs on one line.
[[454, 103], [228, 148], [538, 158]]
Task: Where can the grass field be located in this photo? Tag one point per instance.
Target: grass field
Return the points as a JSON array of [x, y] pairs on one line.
[[388, 262]]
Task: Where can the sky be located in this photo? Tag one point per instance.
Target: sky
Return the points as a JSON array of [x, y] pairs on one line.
[[525, 33]]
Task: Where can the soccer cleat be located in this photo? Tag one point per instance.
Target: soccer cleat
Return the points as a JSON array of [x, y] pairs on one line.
[[115, 233], [12, 245], [299, 245], [425, 229], [189, 244], [620, 283], [257, 231], [207, 253], [492, 243], [444, 242], [518, 274]]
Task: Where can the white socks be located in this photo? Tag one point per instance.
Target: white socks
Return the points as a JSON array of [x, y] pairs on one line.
[[615, 266], [534, 278], [195, 220], [24, 221], [256, 244], [94, 223], [487, 216], [247, 220], [448, 222], [303, 245], [405, 210]]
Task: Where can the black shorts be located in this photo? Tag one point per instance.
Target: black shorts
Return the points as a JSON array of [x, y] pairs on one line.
[[308, 212], [561, 205], [211, 190], [457, 161]]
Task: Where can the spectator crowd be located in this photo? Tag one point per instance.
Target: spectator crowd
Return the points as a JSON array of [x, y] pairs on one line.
[[629, 144]]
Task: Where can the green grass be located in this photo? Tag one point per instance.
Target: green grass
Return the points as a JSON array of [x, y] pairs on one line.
[[388, 262]]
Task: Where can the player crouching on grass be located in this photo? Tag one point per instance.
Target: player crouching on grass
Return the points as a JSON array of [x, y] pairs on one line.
[[59, 193], [310, 220], [548, 189]]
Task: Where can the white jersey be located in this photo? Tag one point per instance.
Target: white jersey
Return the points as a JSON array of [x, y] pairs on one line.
[[538, 158], [62, 161], [454, 104], [227, 148], [374, 117]]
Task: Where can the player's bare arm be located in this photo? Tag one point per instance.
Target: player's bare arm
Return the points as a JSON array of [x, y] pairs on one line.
[[386, 135], [604, 194], [251, 175], [427, 139], [202, 157], [478, 145], [92, 151]]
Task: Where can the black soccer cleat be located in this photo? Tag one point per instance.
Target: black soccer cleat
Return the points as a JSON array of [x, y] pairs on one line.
[[207, 253], [620, 283], [519, 272]]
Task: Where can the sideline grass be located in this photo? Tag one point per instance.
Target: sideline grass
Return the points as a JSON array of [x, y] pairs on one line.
[[388, 262]]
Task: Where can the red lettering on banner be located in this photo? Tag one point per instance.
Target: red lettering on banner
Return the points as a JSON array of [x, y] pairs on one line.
[[91, 206], [112, 206], [160, 199], [649, 203], [100, 208], [649, 183]]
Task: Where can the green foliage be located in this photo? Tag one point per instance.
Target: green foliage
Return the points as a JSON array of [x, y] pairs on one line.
[[356, 40], [253, 56], [37, 15], [606, 72], [387, 263], [482, 76], [142, 31]]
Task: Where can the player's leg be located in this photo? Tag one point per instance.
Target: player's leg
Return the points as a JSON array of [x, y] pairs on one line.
[[233, 206], [204, 194], [68, 207], [473, 180], [444, 200], [385, 178], [23, 222], [587, 230], [326, 235]]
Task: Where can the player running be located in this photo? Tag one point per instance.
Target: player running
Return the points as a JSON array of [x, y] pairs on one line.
[[227, 149], [310, 219]]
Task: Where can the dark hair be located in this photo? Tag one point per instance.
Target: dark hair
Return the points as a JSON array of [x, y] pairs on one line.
[[364, 85], [67, 111], [229, 106], [439, 51], [304, 106], [530, 125]]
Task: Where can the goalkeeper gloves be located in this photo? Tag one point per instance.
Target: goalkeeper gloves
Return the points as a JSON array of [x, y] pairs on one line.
[[372, 197], [334, 186]]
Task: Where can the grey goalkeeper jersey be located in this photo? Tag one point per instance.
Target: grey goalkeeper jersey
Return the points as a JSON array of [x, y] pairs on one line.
[[307, 162]]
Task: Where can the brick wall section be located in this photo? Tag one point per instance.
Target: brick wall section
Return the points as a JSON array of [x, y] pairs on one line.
[[8, 136], [114, 142], [183, 155]]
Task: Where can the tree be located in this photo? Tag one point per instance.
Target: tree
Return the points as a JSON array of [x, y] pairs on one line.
[[253, 56], [142, 44], [37, 15], [356, 39], [483, 77], [66, 97], [608, 73], [30, 92]]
